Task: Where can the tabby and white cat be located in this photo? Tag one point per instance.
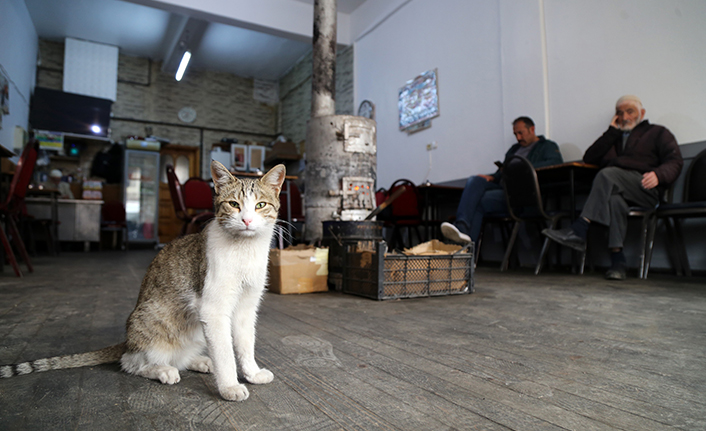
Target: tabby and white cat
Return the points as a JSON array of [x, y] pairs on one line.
[[200, 295]]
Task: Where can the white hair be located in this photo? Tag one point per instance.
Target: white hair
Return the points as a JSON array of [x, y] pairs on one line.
[[629, 98]]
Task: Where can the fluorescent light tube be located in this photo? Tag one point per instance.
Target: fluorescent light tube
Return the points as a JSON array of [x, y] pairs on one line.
[[182, 65]]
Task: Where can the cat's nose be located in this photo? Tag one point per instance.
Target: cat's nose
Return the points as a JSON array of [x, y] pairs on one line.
[[247, 221]]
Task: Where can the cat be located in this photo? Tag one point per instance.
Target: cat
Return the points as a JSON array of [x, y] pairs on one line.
[[200, 295]]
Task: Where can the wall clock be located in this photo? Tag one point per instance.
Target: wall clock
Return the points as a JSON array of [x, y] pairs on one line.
[[187, 114], [367, 109]]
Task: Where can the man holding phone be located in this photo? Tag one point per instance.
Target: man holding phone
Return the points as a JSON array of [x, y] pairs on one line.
[[637, 158], [483, 193]]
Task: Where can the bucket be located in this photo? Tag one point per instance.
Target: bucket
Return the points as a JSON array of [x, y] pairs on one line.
[[335, 233]]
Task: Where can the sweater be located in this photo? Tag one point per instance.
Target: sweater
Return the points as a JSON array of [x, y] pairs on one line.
[[543, 153], [649, 148]]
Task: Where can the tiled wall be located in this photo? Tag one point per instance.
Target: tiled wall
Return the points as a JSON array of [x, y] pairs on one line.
[[224, 104], [149, 98], [295, 94]]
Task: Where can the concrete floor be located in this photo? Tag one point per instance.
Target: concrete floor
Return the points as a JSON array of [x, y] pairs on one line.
[[523, 352]]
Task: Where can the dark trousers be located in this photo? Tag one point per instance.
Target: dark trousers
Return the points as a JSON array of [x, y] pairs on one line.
[[479, 198], [613, 191]]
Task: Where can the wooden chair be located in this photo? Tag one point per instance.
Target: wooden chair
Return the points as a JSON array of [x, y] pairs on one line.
[[14, 205], [524, 202], [193, 221]]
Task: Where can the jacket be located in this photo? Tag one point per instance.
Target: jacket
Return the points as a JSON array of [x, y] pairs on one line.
[[649, 148], [544, 153]]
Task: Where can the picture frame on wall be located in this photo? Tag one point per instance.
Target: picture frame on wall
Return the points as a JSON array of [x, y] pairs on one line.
[[257, 158], [239, 157], [419, 100]]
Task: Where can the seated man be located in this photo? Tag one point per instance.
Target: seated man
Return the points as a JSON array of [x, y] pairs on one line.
[[636, 157], [63, 187], [483, 193]]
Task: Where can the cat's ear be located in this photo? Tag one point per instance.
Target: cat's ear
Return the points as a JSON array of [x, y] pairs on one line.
[[221, 176], [275, 178]]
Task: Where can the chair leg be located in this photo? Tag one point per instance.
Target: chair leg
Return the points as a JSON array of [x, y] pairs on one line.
[[672, 252], [650, 245], [681, 248], [477, 247], [646, 224], [9, 253], [19, 243], [538, 268], [510, 245]]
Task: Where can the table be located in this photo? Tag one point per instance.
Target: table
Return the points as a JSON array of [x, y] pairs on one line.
[[51, 196], [79, 218], [571, 174]]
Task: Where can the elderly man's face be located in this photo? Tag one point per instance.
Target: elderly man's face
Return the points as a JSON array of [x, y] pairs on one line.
[[524, 135], [629, 115]]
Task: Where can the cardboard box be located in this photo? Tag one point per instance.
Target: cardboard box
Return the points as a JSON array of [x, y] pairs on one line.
[[298, 269]]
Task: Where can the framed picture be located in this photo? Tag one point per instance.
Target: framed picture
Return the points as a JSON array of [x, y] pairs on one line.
[[419, 100], [257, 158], [239, 157]]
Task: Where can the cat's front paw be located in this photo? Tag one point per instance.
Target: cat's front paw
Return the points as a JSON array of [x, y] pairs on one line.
[[168, 375], [202, 364], [235, 393], [261, 377]]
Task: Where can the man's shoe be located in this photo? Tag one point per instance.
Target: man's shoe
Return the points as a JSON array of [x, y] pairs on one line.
[[452, 233], [566, 237], [616, 272]]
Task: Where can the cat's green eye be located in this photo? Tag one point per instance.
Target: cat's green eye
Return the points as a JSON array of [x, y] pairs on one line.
[[260, 205], [234, 204]]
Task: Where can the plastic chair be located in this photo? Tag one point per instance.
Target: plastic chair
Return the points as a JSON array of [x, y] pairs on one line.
[[524, 202], [14, 205], [113, 220], [693, 205], [192, 222]]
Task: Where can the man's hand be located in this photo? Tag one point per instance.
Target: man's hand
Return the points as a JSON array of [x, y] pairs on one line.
[[649, 180], [614, 122], [487, 177]]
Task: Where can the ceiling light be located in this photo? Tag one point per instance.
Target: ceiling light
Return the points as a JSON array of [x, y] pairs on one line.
[[96, 129], [182, 65]]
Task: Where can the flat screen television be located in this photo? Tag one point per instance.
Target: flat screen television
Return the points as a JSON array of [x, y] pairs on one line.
[[58, 111]]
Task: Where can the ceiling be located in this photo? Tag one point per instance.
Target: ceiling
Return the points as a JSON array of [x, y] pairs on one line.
[[144, 31]]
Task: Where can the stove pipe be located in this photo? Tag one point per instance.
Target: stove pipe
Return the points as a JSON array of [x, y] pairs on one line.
[[341, 152]]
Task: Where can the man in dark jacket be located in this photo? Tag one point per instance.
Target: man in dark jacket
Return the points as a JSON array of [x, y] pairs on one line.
[[638, 159], [483, 193]]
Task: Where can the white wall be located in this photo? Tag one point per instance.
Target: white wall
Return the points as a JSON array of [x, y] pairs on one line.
[[491, 70], [602, 49], [461, 39], [18, 57]]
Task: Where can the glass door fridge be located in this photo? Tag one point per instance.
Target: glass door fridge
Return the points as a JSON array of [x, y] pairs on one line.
[[142, 195]]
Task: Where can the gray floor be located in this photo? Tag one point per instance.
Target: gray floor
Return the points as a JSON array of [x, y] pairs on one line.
[[524, 352]]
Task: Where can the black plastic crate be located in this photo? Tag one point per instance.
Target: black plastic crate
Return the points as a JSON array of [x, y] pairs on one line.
[[372, 274]]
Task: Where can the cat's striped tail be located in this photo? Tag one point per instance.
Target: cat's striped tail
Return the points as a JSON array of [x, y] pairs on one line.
[[98, 357]]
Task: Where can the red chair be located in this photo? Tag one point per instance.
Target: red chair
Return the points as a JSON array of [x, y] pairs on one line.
[[291, 208], [113, 220], [406, 214], [198, 195], [193, 222], [14, 205], [291, 213]]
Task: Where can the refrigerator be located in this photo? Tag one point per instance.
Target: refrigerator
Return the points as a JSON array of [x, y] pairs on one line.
[[141, 195]]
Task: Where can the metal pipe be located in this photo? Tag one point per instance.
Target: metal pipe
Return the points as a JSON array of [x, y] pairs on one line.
[[323, 78]]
